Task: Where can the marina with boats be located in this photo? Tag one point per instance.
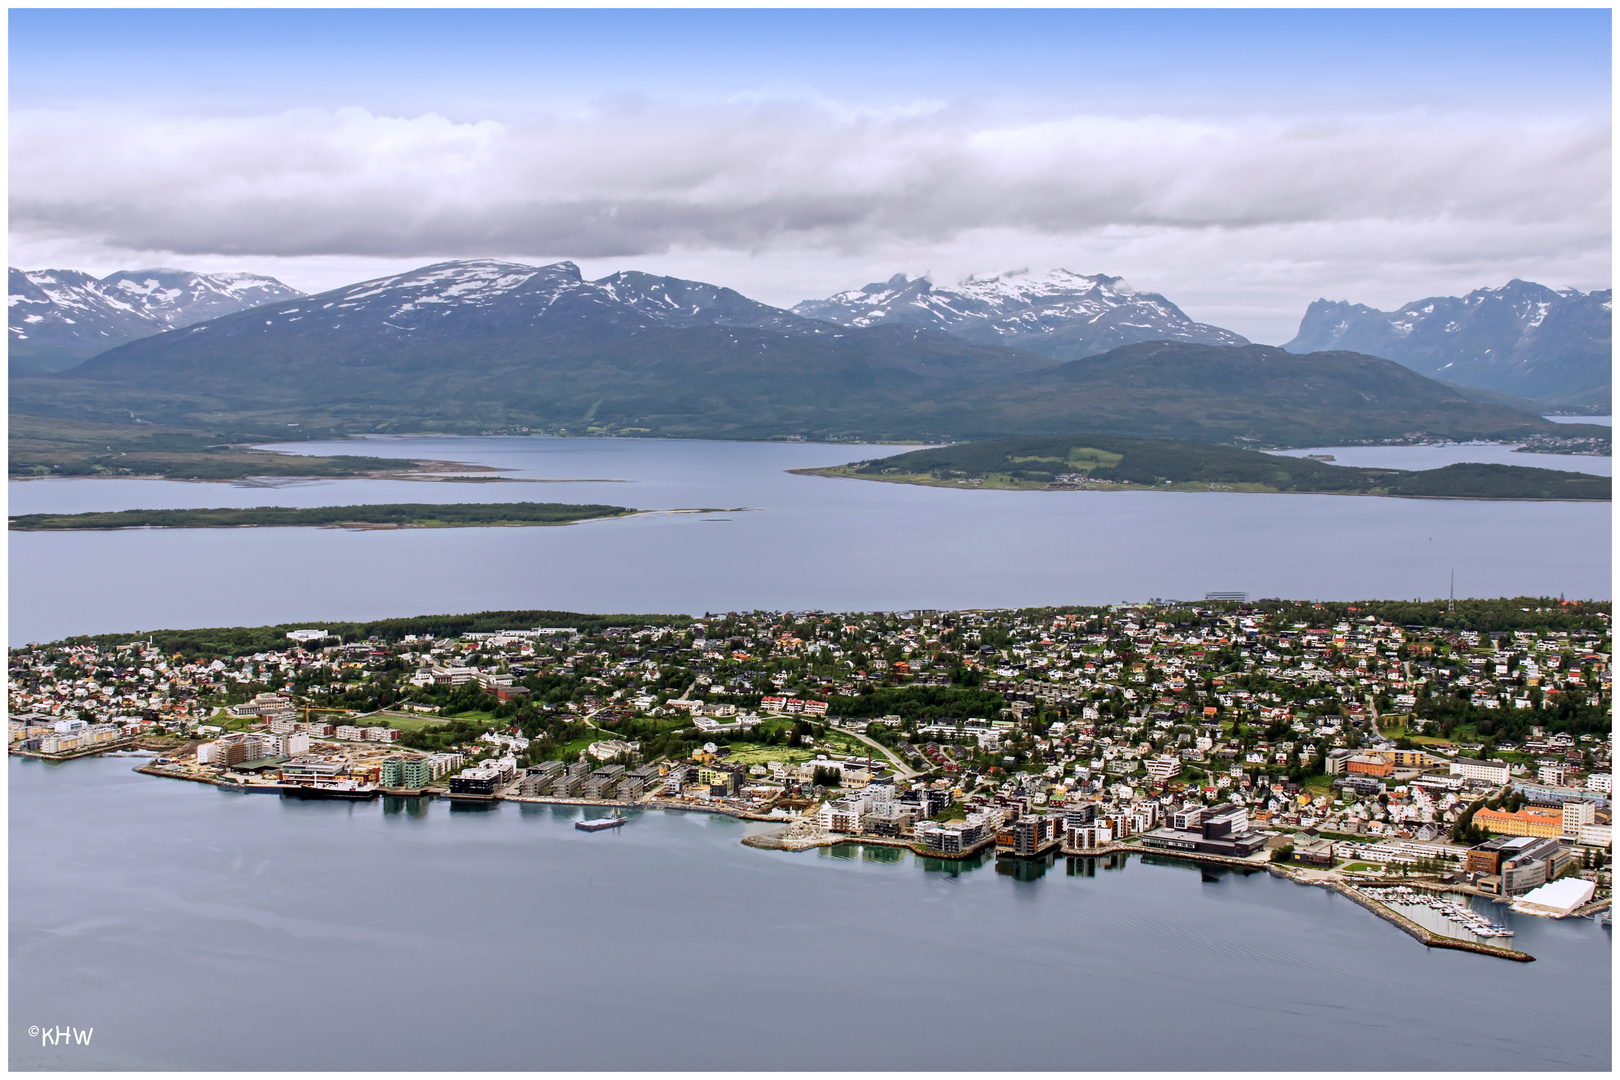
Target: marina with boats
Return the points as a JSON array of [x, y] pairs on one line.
[[1452, 918]]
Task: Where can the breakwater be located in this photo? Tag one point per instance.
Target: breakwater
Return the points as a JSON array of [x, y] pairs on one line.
[[1428, 937]]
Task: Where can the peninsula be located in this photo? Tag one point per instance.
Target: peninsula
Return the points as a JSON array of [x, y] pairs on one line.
[[1095, 462], [375, 516], [1401, 753]]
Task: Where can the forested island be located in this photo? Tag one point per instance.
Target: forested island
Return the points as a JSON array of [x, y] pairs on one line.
[[379, 516], [1111, 463]]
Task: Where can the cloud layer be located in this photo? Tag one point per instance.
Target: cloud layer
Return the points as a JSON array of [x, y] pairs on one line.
[[1255, 203]]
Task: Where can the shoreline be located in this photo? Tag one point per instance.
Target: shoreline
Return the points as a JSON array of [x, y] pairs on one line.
[[813, 836], [1185, 488], [366, 526]]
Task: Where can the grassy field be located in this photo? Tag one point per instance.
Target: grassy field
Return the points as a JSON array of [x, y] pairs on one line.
[[472, 716], [410, 721], [570, 751], [760, 753], [1319, 785]]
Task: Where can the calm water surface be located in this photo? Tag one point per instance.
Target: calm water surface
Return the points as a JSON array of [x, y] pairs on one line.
[[784, 541], [1437, 457], [198, 929]]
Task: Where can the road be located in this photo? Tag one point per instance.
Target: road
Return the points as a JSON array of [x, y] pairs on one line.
[[902, 770]]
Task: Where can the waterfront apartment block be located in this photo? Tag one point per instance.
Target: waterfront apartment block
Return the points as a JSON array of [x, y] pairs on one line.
[[401, 772], [952, 837], [1220, 830]]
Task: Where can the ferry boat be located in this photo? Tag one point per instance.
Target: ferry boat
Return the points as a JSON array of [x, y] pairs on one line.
[[342, 788], [598, 824]]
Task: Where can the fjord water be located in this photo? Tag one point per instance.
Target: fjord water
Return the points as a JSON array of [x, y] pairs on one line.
[[782, 542], [193, 928]]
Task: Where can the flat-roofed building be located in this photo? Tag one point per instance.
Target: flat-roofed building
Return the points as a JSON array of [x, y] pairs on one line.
[[1220, 830], [1370, 765], [1598, 836], [1577, 814], [1519, 863], [1490, 772]]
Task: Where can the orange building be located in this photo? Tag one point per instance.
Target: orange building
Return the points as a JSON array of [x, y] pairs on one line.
[[1370, 765], [1523, 823]]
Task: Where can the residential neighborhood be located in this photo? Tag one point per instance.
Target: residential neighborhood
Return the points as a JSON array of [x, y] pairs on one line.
[[1326, 736]]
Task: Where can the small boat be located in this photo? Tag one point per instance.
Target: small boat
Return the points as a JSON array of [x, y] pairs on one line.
[[598, 824]]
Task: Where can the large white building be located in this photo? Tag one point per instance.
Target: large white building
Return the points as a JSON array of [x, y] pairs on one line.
[[1576, 814], [1491, 772], [1598, 836], [1163, 767]]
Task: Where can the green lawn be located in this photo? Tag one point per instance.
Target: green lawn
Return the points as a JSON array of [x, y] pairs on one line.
[[571, 751], [411, 722], [1319, 785], [474, 716], [844, 744]]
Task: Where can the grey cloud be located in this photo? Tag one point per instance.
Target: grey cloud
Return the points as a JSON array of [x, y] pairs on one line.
[[649, 179]]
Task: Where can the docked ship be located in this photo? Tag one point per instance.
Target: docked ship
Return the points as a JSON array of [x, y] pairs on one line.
[[341, 788], [315, 776]]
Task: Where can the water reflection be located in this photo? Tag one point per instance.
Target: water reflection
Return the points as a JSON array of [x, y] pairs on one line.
[[1025, 869], [1087, 865], [414, 806], [1210, 874], [933, 864]]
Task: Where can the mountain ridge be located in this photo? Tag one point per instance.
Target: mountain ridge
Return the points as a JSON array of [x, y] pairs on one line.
[[1059, 314], [1523, 339], [59, 318], [483, 345]]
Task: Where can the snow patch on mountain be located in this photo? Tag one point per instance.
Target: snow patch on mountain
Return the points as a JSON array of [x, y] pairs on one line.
[[1058, 313], [62, 316], [1524, 339]]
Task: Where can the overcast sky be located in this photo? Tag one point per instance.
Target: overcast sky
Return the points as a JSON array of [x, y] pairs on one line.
[[1243, 164]]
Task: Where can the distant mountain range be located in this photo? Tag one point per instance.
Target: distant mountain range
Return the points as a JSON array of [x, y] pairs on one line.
[[1060, 314], [1524, 339], [61, 317], [479, 345]]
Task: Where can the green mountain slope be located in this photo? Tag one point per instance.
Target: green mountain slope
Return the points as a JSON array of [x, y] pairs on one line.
[[1209, 393], [481, 346]]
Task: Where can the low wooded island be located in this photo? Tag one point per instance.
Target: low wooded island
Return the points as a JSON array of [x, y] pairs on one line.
[[378, 516], [1111, 463]]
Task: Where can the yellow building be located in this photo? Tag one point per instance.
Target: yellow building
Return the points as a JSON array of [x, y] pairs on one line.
[[1523, 823]]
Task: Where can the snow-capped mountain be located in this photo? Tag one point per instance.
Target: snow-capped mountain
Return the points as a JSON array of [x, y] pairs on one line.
[[1059, 314], [482, 298], [60, 317], [1551, 345]]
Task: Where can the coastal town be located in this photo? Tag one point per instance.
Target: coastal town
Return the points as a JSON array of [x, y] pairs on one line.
[[1441, 749]]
